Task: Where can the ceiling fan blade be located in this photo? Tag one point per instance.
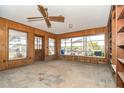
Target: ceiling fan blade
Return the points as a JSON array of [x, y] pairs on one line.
[[42, 10], [45, 17], [30, 20], [35, 17], [48, 22], [56, 18]]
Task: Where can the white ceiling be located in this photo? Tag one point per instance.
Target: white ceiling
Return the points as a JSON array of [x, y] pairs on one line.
[[81, 17]]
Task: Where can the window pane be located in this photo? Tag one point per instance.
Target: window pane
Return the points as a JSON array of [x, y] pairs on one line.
[[62, 51], [77, 44], [84, 46], [95, 38], [68, 46], [38, 42], [17, 44], [63, 43], [51, 46], [96, 45]]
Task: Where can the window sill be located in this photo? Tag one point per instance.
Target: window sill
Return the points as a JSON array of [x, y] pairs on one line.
[[52, 55], [82, 56], [10, 60]]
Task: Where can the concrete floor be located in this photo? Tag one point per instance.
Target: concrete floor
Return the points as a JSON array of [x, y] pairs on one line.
[[58, 74]]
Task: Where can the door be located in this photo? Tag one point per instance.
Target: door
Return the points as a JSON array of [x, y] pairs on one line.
[[38, 48]]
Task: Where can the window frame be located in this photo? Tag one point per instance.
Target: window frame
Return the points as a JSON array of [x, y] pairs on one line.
[[66, 45], [49, 46], [98, 41], [73, 45], [27, 44], [39, 45], [83, 45]]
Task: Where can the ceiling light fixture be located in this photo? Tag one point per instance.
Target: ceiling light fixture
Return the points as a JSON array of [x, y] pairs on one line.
[[70, 25]]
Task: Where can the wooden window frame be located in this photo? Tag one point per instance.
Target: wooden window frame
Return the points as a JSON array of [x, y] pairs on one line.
[[9, 60], [83, 46], [49, 47]]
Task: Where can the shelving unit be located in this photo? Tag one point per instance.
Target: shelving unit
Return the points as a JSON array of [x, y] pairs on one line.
[[121, 30], [121, 60], [114, 67], [120, 46], [120, 27], [120, 11], [112, 41], [121, 75]]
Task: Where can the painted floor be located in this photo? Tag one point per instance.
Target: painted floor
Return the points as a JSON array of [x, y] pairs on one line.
[[58, 74]]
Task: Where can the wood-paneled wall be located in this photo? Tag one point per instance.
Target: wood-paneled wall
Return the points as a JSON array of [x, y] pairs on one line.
[[87, 32], [94, 31], [5, 25]]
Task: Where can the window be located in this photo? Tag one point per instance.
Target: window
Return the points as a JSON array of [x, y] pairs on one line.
[[17, 44], [68, 46], [84, 46], [51, 46], [63, 46], [95, 45], [77, 44], [38, 42], [84, 51]]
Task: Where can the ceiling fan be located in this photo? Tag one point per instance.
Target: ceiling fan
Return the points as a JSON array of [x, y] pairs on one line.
[[44, 12]]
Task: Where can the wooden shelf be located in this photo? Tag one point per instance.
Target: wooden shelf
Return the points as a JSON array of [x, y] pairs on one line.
[[121, 60], [120, 12], [121, 30], [120, 25], [121, 75], [114, 67], [121, 46]]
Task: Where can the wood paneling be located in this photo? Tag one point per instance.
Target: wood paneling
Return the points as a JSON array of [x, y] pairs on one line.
[[5, 25], [112, 46], [87, 32], [94, 31], [113, 38], [3, 55], [38, 55], [31, 49], [58, 46], [84, 59], [120, 46]]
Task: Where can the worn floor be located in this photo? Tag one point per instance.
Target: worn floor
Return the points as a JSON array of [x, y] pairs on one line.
[[58, 74]]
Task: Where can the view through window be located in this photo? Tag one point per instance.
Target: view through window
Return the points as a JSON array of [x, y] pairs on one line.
[[38, 42], [84, 46], [17, 44], [51, 46]]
